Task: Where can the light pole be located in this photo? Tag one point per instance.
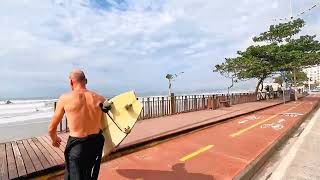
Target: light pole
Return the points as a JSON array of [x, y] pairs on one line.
[[170, 78], [309, 79], [291, 10]]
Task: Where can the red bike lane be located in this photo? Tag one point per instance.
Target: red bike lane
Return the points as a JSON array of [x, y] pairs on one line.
[[222, 151]]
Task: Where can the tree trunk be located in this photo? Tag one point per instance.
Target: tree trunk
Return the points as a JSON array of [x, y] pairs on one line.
[[259, 82], [295, 77]]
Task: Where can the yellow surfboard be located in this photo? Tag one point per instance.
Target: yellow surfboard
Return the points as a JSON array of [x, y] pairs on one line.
[[120, 119]]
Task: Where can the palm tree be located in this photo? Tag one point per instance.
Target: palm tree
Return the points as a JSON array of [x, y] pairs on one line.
[[170, 78]]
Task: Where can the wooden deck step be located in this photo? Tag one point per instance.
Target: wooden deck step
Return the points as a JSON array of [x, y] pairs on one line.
[[22, 158]]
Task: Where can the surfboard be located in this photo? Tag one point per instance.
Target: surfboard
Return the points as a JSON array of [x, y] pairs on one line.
[[119, 120]]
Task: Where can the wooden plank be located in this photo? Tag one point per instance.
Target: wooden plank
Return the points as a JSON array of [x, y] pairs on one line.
[[64, 136], [63, 143], [52, 152], [33, 156], [19, 161], [44, 161], [57, 151], [45, 152], [26, 158], [12, 168], [3, 163]]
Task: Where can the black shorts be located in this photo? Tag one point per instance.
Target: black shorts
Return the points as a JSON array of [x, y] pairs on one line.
[[83, 157]]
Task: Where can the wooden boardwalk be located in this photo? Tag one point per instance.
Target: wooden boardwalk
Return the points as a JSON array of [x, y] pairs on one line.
[[22, 158]]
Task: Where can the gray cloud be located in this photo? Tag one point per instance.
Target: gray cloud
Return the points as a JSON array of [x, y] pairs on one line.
[[131, 45]]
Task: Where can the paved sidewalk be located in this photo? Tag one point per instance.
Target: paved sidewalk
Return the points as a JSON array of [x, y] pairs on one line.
[[303, 160]]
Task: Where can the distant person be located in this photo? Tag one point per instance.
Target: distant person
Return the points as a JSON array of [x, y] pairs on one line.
[[85, 144], [271, 92], [267, 88]]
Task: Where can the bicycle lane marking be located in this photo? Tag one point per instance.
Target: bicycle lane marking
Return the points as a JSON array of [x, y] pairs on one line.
[[238, 133]]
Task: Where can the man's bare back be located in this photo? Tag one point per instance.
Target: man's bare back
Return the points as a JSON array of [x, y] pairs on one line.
[[84, 147], [83, 112], [81, 107]]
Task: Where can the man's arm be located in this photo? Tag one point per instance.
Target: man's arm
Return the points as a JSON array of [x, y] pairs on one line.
[[56, 119]]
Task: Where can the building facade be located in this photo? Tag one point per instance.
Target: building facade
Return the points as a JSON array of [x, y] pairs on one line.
[[313, 74]]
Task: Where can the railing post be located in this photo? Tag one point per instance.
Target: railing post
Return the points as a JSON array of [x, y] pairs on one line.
[[186, 104], [173, 103], [66, 124], [148, 107], [232, 99], [195, 103], [162, 104], [203, 102], [142, 112]]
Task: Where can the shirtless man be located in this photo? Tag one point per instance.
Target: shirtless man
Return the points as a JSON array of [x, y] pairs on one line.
[[84, 148]]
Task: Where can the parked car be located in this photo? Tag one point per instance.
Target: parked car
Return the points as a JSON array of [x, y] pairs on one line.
[[315, 90]]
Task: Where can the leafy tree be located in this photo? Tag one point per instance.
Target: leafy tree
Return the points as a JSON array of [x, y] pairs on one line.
[[281, 52], [295, 54], [301, 78], [256, 62], [281, 32], [279, 80]]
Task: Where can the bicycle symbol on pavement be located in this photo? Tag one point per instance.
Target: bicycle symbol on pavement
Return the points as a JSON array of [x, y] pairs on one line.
[[249, 118], [292, 114], [276, 125]]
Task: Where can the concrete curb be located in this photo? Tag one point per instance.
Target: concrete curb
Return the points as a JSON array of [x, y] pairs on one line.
[[255, 165]]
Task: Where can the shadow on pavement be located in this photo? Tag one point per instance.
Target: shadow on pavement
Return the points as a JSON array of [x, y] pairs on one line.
[[178, 171]]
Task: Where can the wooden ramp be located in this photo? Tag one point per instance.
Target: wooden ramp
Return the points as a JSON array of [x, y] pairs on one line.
[[28, 157]]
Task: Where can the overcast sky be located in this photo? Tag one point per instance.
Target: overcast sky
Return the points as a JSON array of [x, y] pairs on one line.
[[129, 44]]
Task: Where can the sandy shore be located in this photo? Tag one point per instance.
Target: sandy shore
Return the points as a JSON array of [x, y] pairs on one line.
[[17, 131]]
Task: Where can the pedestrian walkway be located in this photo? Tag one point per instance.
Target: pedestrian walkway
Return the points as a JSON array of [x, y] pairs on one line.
[[303, 160], [35, 156]]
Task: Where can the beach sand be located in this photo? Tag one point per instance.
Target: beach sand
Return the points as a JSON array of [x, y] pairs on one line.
[[18, 131]]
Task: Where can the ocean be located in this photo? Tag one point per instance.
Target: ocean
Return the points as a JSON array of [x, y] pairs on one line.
[[25, 118]]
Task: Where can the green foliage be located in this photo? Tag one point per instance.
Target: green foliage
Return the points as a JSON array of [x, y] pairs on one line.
[[281, 32], [279, 80], [256, 62], [169, 76], [282, 53], [301, 78]]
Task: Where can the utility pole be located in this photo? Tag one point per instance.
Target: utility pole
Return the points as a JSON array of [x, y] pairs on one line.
[[291, 10], [309, 79]]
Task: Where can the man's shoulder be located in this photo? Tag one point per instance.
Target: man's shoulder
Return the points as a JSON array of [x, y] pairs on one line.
[[96, 94], [65, 96]]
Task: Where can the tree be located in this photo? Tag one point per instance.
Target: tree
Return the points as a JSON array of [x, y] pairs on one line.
[[256, 62], [279, 80], [170, 78], [301, 78], [281, 32], [295, 54], [281, 52]]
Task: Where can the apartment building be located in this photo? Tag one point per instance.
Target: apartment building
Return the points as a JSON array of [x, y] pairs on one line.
[[313, 74]]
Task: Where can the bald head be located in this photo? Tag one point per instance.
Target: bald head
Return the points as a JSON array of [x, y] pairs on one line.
[[78, 76]]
